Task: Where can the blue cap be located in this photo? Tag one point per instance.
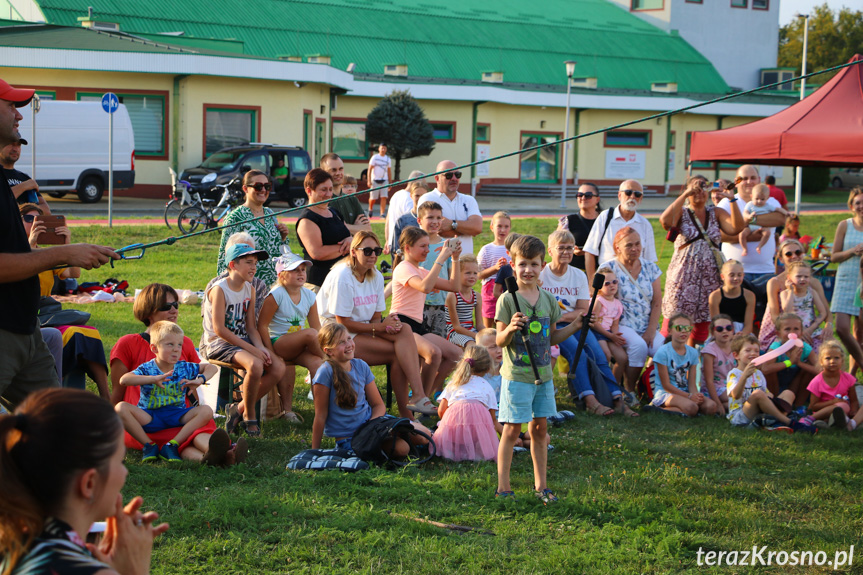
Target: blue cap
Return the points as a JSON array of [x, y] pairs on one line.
[[240, 250]]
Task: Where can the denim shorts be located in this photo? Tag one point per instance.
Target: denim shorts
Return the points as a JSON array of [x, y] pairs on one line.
[[523, 402], [165, 418]]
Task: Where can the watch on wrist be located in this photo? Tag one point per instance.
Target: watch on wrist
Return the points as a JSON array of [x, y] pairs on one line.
[[454, 225]]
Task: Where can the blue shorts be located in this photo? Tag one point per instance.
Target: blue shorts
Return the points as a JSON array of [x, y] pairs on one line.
[[523, 402], [344, 443], [165, 418], [785, 377]]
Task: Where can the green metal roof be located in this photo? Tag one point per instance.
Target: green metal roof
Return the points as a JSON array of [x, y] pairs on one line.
[[448, 40]]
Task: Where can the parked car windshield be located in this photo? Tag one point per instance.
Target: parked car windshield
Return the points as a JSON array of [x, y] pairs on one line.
[[223, 161]]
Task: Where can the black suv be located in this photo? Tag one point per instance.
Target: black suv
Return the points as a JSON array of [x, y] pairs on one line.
[[227, 163]]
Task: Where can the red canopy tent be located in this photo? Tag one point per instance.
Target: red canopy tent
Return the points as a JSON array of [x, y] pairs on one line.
[[824, 129]]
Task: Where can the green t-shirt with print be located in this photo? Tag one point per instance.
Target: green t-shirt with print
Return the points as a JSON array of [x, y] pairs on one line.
[[540, 317], [348, 207]]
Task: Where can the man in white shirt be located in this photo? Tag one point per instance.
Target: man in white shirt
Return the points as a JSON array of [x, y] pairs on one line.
[[400, 204], [599, 247], [461, 216], [380, 175], [758, 268]]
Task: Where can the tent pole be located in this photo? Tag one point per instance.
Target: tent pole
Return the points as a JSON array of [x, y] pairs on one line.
[[798, 180]]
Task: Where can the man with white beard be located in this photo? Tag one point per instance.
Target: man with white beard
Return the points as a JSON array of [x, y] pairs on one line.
[[599, 246]]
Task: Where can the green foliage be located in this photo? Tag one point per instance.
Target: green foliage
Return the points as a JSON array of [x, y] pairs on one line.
[[400, 123], [815, 180], [834, 37]]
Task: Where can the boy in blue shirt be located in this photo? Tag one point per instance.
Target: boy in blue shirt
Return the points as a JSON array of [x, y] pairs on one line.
[[164, 382], [521, 400]]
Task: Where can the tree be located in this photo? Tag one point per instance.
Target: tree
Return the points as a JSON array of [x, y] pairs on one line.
[[399, 122], [833, 39]]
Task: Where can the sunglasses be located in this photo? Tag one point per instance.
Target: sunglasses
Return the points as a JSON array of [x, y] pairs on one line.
[[451, 175], [682, 328], [258, 186], [170, 305], [369, 252], [586, 195], [721, 328], [28, 218], [610, 283], [636, 193], [794, 253]]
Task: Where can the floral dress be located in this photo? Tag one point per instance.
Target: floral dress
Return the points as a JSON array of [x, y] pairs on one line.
[[804, 306], [636, 299], [692, 273], [266, 237]]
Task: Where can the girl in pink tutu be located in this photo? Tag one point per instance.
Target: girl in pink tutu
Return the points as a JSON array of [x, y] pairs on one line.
[[467, 407]]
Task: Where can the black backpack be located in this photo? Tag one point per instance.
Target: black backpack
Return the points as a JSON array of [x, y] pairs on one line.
[[368, 441]]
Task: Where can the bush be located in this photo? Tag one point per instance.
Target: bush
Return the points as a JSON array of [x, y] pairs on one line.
[[815, 180]]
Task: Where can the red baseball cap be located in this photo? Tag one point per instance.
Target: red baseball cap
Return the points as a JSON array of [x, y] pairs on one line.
[[20, 96]]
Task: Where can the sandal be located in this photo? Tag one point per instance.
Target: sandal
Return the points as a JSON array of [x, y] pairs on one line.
[[291, 417], [627, 412], [425, 406], [232, 417], [600, 409], [247, 423], [546, 496], [505, 495]]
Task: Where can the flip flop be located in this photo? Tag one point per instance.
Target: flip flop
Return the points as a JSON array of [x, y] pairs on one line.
[[217, 448], [232, 418]]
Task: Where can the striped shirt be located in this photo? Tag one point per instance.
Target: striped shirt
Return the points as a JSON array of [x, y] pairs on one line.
[[464, 309]]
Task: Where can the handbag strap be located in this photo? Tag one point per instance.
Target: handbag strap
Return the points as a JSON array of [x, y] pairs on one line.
[[701, 233], [637, 286]]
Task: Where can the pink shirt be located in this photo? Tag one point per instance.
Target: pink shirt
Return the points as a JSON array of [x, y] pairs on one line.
[[407, 300], [819, 388], [611, 310]]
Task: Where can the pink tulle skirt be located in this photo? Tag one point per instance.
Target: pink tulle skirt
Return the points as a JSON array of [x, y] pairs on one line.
[[466, 433]]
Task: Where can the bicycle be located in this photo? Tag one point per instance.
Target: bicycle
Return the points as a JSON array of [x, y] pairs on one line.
[[208, 215], [181, 197]]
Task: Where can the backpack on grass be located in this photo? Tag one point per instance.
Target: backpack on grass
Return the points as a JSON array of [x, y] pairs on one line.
[[368, 441]]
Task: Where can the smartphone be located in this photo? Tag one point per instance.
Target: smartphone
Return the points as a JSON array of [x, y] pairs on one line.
[[50, 237]]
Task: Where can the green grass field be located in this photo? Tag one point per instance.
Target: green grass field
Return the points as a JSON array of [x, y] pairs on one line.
[[637, 495]]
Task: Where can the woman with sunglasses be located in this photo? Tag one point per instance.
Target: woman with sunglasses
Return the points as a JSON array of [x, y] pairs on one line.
[[693, 273], [847, 249], [159, 302], [268, 233], [789, 251], [580, 224], [83, 352], [353, 295], [323, 235]]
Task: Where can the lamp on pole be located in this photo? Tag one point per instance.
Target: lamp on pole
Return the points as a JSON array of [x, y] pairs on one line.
[[798, 180], [570, 70]]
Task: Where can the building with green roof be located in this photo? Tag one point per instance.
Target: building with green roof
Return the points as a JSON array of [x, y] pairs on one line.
[[491, 80]]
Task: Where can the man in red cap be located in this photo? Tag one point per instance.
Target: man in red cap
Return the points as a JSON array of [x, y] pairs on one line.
[[26, 365]]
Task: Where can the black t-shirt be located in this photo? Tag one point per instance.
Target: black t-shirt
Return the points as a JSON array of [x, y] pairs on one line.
[[333, 230], [15, 177], [19, 300], [580, 228]]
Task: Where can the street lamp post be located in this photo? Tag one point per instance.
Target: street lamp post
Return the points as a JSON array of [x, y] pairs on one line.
[[570, 70], [798, 180]]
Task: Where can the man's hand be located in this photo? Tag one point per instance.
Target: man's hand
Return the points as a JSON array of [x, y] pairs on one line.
[[87, 256]]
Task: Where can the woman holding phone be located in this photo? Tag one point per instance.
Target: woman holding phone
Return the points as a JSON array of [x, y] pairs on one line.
[[82, 345]]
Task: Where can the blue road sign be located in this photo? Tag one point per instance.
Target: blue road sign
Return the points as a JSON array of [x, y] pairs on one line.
[[110, 102]]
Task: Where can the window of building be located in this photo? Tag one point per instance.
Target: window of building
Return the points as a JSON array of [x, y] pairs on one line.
[[696, 165], [739, 3], [774, 75], [444, 131], [225, 127], [147, 114], [483, 133], [648, 4], [349, 138], [760, 4], [627, 139], [672, 141], [46, 94]]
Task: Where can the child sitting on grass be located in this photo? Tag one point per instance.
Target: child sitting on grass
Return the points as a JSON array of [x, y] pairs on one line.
[[795, 369], [747, 392], [164, 382], [732, 299], [346, 395], [717, 360], [467, 410], [281, 325], [676, 364], [491, 258], [832, 395], [521, 399], [231, 335], [464, 305]]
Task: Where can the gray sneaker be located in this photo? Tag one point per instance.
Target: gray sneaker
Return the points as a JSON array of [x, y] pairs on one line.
[[630, 399]]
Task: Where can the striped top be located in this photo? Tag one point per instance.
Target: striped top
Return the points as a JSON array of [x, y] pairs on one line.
[[464, 309]]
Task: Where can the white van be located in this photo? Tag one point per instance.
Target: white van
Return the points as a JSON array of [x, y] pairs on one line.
[[71, 143]]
